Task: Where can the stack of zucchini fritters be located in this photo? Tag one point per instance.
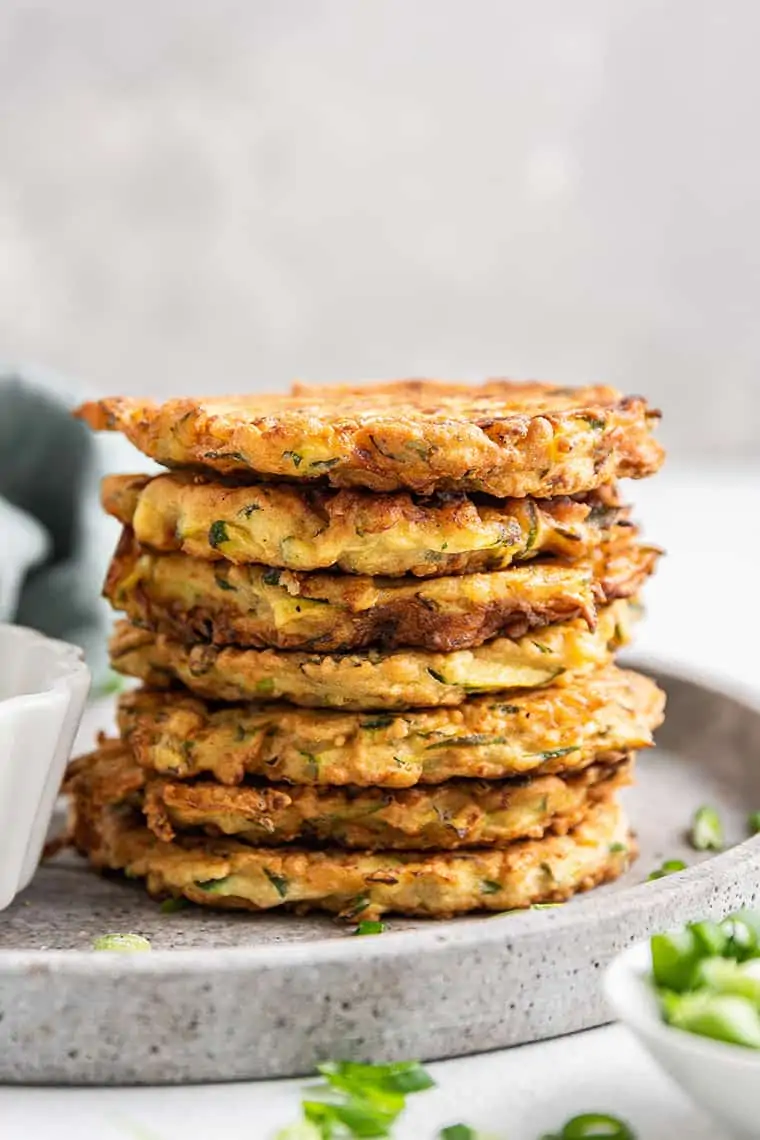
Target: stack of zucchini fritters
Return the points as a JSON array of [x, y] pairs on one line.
[[375, 629]]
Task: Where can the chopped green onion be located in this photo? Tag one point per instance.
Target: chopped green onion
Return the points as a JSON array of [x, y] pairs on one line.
[[111, 684], [723, 1017], [711, 937], [217, 533], [708, 978], [458, 1132], [398, 1077], [357, 1100], [302, 1130], [123, 943], [727, 976], [213, 886], [369, 927], [555, 753], [533, 528], [490, 887], [675, 957], [593, 1126], [754, 822], [707, 830], [669, 867], [541, 647], [380, 721], [169, 906], [279, 882], [225, 455], [360, 1117], [742, 930], [356, 906]]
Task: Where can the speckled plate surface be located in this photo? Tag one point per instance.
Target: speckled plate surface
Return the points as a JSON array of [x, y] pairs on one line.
[[241, 996]]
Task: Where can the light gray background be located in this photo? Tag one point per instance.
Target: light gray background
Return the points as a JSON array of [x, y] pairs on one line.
[[210, 195]]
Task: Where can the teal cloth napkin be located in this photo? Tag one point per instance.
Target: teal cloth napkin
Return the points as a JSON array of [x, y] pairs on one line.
[[55, 540]]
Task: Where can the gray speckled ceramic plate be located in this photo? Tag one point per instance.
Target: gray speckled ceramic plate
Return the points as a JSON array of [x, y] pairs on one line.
[[233, 997]]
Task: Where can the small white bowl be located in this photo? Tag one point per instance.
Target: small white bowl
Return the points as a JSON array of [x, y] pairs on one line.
[[724, 1079], [43, 688]]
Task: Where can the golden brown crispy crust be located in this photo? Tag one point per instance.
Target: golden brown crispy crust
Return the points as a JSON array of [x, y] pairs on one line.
[[356, 532], [501, 437], [557, 729], [453, 815], [192, 599], [357, 885], [373, 680]]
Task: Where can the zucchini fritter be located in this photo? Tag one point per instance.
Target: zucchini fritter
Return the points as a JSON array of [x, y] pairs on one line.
[[456, 814], [357, 885], [354, 531], [502, 437], [193, 599], [556, 729], [372, 680]]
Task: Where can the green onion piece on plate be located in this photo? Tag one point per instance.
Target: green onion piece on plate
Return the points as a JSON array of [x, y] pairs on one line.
[[669, 867], [706, 830], [370, 927], [171, 906], [123, 943]]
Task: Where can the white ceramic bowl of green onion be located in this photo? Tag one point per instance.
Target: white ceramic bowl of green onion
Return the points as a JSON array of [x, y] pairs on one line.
[[692, 997]]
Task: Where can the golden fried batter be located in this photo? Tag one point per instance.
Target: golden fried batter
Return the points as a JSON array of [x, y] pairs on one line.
[[501, 437], [556, 729], [458, 813], [373, 680], [356, 532], [192, 599], [357, 885]]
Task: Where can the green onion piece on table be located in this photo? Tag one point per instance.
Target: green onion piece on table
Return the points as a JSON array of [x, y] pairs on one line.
[[593, 1126], [357, 1100], [302, 1130]]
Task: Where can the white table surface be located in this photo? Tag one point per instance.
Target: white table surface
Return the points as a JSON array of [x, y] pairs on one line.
[[517, 1094]]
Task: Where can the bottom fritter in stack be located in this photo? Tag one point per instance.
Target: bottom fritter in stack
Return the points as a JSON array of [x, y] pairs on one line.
[[449, 737]]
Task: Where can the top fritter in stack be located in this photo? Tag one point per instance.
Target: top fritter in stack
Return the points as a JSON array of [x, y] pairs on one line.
[[375, 630]]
